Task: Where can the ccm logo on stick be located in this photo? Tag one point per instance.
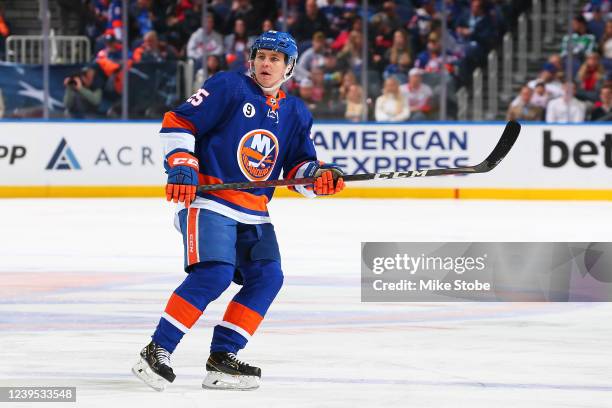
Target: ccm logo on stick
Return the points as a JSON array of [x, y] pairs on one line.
[[579, 153], [12, 152], [399, 174]]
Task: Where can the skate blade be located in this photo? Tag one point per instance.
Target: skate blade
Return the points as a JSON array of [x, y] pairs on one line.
[[220, 381], [142, 370]]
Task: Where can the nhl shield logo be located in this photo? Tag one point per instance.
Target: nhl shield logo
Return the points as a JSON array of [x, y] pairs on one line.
[[257, 154]]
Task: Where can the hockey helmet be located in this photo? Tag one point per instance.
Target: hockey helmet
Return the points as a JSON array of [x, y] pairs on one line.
[[277, 41]]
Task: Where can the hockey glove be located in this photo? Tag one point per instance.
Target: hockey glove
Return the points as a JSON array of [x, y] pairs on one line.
[[328, 178], [182, 169]]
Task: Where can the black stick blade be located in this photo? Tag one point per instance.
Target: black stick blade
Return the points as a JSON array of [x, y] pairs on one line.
[[505, 143]]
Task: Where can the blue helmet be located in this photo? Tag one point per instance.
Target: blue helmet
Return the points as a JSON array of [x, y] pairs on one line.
[[277, 41]]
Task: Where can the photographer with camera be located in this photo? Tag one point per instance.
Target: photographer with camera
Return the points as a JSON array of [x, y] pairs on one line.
[[82, 98]]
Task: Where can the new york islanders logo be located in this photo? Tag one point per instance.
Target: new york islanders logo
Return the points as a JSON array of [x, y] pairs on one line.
[[257, 154]]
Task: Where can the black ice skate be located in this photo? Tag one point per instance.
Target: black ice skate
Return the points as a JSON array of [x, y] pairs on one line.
[[154, 367], [226, 372]]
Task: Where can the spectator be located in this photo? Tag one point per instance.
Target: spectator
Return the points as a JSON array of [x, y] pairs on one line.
[[523, 109], [213, 45], [354, 104], [82, 99], [267, 25], [540, 96], [603, 107], [391, 105], [333, 15], [178, 26], [243, 9], [566, 108], [455, 10], [342, 38], [238, 45], [606, 42], [596, 25], [331, 71], [321, 95], [213, 65], [312, 57], [348, 79], [95, 15], [557, 63], [417, 94], [383, 40], [605, 7], [141, 12], [350, 57], [582, 42], [152, 50], [114, 20], [306, 95], [309, 23], [112, 49], [431, 60], [480, 27], [318, 84], [547, 76], [389, 16], [421, 24], [109, 59], [305, 92], [400, 70], [399, 46], [4, 33], [591, 77]]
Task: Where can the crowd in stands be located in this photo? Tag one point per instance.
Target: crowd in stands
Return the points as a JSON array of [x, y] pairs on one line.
[[405, 53], [579, 88]]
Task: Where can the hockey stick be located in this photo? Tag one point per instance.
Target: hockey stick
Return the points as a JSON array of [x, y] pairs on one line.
[[501, 149]]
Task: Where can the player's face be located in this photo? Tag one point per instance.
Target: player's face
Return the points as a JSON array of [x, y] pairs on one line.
[[269, 67]]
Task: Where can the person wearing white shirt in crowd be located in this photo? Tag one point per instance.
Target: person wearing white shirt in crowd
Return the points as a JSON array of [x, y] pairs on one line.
[[547, 75], [417, 94], [312, 57], [214, 42], [566, 109], [391, 106], [540, 96]]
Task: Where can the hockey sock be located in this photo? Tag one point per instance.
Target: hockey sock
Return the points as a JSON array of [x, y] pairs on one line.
[[262, 281], [205, 283]]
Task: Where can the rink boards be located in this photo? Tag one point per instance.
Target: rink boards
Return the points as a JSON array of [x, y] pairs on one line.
[[115, 159]]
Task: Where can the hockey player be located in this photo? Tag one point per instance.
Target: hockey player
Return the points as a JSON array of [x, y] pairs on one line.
[[235, 128]]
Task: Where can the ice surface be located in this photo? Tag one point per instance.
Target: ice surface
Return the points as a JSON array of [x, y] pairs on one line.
[[83, 282]]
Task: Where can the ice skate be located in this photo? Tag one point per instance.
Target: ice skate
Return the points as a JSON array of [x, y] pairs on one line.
[[153, 368], [226, 372]]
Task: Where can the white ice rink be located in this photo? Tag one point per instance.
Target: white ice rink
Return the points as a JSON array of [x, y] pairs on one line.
[[83, 283]]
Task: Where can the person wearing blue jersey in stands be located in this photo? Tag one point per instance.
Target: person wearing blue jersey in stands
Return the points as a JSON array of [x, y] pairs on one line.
[[236, 128]]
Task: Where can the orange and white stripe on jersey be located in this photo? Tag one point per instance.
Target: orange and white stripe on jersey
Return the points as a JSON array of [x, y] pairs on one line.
[[177, 133]]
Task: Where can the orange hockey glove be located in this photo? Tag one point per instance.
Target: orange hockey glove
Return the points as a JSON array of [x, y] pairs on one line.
[[182, 169]]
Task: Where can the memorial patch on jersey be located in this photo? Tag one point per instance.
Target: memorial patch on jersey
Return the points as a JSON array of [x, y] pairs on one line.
[[257, 153]]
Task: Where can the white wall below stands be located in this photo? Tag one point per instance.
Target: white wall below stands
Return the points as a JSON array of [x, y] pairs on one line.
[[125, 159]]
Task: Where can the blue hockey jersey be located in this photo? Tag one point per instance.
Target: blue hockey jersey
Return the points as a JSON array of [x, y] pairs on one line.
[[239, 134]]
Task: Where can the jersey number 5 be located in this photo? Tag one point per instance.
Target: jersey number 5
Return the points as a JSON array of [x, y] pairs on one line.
[[198, 97]]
